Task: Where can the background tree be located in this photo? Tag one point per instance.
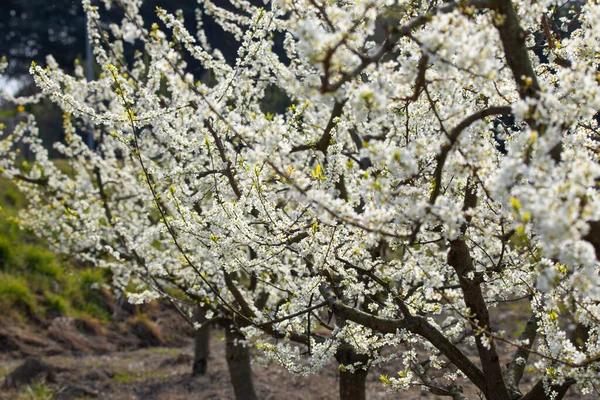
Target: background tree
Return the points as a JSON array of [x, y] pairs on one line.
[[30, 30]]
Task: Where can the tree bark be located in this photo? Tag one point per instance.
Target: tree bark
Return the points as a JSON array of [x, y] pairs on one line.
[[459, 258], [515, 368], [419, 326], [539, 393], [515, 50], [593, 237], [201, 343], [238, 363], [352, 384]]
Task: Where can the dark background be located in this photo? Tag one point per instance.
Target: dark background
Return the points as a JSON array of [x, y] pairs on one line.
[[32, 29]]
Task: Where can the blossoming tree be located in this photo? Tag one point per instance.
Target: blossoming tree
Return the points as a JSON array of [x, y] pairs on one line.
[[437, 159]]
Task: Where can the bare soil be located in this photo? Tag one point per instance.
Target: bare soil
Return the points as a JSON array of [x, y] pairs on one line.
[[122, 361], [165, 373]]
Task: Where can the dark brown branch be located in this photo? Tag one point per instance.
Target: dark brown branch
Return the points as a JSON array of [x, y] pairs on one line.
[[515, 50], [221, 149], [517, 58], [453, 391], [248, 316], [453, 136], [297, 314], [325, 140], [40, 181], [539, 393], [239, 298], [297, 238], [390, 42], [516, 367], [417, 325], [563, 62], [324, 15], [420, 81], [459, 258]]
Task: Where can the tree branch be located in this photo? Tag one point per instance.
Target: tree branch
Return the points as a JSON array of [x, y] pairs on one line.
[[40, 181], [459, 258], [325, 140], [538, 392], [417, 325], [397, 34], [516, 368], [453, 136], [515, 51], [228, 170]]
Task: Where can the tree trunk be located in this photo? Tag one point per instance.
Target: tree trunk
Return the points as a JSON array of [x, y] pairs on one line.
[[238, 362], [352, 384], [201, 343]]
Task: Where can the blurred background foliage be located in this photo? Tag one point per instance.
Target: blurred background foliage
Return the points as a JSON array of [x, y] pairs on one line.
[[32, 29]]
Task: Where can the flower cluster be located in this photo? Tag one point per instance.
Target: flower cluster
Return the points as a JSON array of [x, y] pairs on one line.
[[431, 164]]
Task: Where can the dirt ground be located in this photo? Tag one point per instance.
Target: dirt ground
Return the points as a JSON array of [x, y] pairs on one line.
[[165, 373], [126, 361]]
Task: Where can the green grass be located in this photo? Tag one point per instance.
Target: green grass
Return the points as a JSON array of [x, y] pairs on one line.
[[34, 281], [161, 350], [126, 377], [38, 391], [8, 113], [56, 303], [15, 295], [38, 260]]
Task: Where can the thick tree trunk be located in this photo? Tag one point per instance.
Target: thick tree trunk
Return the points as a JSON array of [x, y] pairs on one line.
[[352, 384], [238, 362], [201, 343]]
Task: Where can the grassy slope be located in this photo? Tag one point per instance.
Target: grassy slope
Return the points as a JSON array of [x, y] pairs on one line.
[[35, 283]]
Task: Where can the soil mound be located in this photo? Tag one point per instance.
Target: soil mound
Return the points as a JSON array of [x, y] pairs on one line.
[[30, 371]]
